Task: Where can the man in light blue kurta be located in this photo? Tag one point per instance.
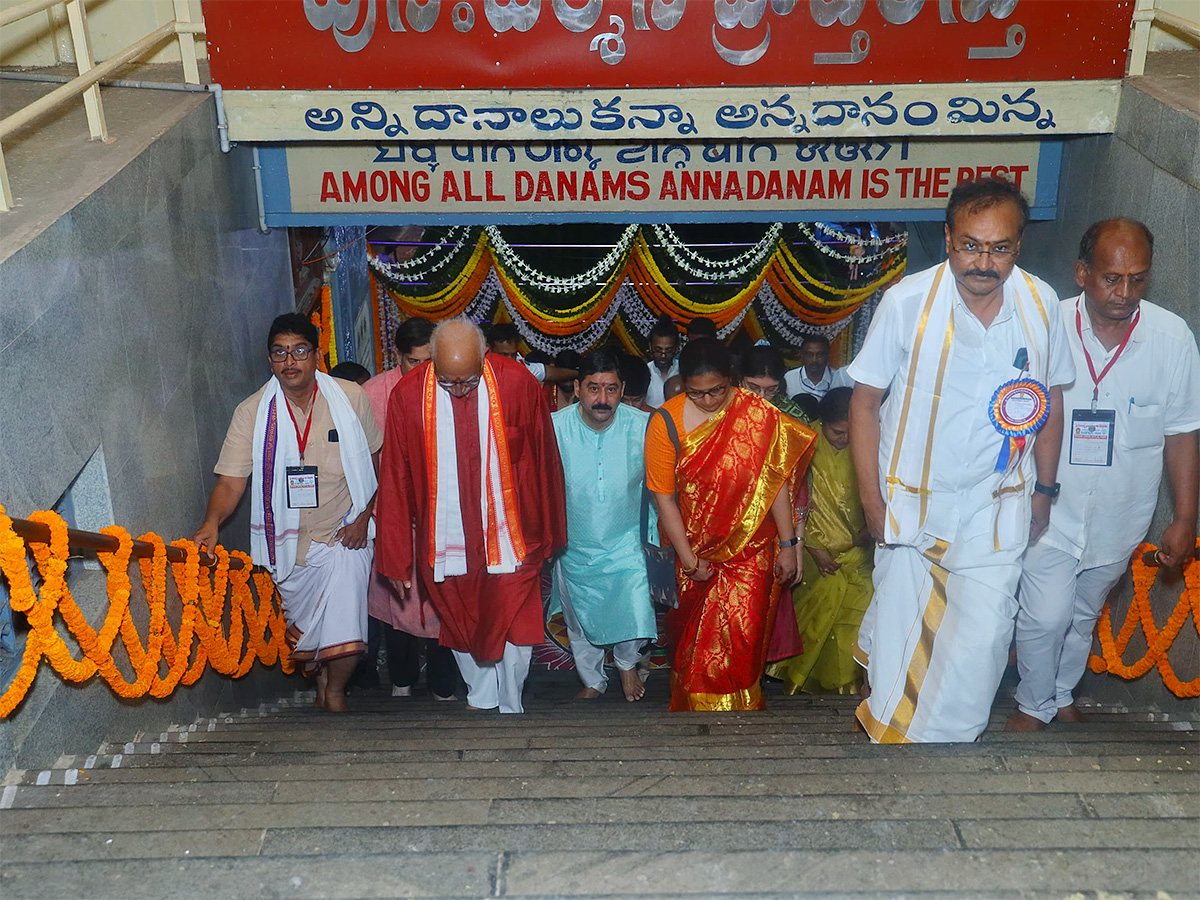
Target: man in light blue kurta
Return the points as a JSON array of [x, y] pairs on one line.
[[600, 579]]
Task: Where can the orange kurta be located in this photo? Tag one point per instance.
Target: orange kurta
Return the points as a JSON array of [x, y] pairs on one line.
[[725, 478]]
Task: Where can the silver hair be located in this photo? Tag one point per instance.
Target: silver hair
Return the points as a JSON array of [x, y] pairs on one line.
[[451, 325]]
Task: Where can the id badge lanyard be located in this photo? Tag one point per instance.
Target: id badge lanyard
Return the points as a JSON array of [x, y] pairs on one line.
[[1096, 379], [302, 439]]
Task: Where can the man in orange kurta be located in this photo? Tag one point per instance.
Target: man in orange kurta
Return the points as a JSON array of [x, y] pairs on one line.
[[491, 620]]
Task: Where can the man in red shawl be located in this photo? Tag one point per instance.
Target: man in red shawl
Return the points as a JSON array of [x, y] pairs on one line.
[[471, 462]]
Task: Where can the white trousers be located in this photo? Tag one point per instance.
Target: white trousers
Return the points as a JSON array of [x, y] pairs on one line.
[[589, 657], [1056, 617], [496, 683]]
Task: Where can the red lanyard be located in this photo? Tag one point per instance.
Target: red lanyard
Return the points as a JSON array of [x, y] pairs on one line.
[[302, 440], [1096, 379]]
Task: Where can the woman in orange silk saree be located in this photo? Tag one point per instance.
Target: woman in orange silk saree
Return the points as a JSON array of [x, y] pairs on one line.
[[722, 464]]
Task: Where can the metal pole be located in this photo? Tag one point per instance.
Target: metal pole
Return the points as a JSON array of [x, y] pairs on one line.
[[84, 61]]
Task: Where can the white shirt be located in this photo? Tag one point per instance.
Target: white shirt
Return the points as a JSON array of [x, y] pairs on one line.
[[536, 369], [966, 445], [1103, 512], [654, 393], [796, 381]]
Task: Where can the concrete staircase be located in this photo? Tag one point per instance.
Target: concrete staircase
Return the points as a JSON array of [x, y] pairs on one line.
[[412, 798]]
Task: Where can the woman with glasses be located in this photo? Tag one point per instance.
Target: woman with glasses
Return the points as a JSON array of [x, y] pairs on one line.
[[722, 465]]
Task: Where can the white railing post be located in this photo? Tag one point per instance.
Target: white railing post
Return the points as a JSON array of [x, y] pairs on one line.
[[187, 44], [1139, 44], [83, 59], [6, 200]]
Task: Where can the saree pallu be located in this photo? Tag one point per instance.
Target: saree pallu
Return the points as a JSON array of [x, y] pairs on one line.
[[728, 473]]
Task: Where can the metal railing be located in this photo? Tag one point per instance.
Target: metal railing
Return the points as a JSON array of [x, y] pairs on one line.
[[1145, 17], [87, 84], [39, 533]]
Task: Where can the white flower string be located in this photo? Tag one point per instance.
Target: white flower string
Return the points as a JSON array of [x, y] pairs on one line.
[[593, 277], [698, 266], [415, 270], [898, 243]]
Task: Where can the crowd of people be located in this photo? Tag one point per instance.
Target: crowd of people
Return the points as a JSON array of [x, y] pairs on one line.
[[983, 469]]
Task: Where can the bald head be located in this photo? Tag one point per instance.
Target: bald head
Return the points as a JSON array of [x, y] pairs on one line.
[[1123, 231], [458, 348]]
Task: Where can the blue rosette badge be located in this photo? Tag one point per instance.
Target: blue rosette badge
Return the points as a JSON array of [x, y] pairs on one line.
[[1018, 409]]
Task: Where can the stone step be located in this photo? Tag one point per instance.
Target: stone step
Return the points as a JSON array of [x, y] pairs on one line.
[[610, 874]]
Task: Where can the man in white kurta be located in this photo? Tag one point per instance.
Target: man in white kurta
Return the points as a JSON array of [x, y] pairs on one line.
[[600, 578], [946, 494], [814, 375], [664, 363], [1146, 413]]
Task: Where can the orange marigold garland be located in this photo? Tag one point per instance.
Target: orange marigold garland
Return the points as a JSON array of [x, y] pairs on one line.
[[259, 629], [1158, 643]]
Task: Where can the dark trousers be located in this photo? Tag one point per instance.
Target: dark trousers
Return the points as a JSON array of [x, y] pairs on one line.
[[404, 661]]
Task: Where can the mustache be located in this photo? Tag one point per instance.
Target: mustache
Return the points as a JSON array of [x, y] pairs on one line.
[[981, 273], [602, 406]]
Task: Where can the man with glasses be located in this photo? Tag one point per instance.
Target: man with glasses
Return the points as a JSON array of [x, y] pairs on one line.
[[971, 357], [470, 462], [1134, 409], [311, 444]]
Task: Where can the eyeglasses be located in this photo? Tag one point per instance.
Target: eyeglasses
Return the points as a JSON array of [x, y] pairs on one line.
[[463, 385], [299, 354], [998, 252], [766, 391], [716, 393]]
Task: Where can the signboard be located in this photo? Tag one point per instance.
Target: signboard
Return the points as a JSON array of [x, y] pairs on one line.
[[687, 181], [638, 115], [522, 45]]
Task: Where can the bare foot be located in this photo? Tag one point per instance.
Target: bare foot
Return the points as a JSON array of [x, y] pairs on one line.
[[864, 690], [446, 699], [474, 708], [1070, 714], [631, 684], [1020, 721], [587, 694], [335, 702], [322, 681]]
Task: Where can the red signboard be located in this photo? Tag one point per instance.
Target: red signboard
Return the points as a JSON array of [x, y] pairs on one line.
[[357, 45]]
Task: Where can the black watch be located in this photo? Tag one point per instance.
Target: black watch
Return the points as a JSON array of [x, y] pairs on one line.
[[1050, 490], [790, 542]]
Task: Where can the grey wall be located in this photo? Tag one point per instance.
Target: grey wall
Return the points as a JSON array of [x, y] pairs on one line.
[[136, 322], [1149, 169]]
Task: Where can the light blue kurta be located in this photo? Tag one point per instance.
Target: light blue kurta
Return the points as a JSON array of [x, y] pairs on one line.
[[603, 569]]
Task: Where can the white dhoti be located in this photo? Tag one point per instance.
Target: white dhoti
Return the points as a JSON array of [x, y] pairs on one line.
[[325, 603], [942, 622], [496, 684], [1059, 606]]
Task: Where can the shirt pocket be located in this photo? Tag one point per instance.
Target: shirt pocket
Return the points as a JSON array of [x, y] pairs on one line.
[[1143, 427]]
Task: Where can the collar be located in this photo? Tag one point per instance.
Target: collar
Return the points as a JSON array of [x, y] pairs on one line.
[[1081, 304], [825, 376]]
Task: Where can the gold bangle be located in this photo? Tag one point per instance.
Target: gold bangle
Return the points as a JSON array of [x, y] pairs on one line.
[[692, 570]]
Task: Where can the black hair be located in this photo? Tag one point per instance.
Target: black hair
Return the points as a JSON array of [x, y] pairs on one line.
[[664, 327], [503, 333], [596, 362], [701, 327], [350, 371], [293, 323], [809, 404], [975, 196], [1091, 237], [835, 405], [815, 339], [705, 356], [570, 359], [763, 362], [634, 373], [413, 333]]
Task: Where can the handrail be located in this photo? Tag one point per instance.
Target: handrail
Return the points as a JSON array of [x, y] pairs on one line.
[[1145, 17], [39, 533], [86, 85]]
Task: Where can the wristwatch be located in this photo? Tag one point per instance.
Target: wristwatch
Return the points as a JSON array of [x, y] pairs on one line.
[[1050, 490], [790, 542]]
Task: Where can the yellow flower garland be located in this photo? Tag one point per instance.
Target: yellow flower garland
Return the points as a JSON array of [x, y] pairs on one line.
[[202, 593]]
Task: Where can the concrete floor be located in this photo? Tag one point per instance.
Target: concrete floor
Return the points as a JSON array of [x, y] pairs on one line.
[[412, 798]]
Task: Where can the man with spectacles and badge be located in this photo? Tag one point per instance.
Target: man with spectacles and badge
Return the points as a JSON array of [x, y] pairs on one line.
[[311, 444], [955, 419], [1134, 409], [470, 457]]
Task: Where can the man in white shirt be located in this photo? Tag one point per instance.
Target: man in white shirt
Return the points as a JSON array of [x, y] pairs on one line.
[[663, 364], [1134, 407], [971, 360], [503, 339], [814, 375]]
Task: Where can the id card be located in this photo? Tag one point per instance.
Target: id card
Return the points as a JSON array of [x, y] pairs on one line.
[[1092, 433], [302, 487]]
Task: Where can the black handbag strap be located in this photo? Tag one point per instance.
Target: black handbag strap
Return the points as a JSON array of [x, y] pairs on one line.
[[673, 434]]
